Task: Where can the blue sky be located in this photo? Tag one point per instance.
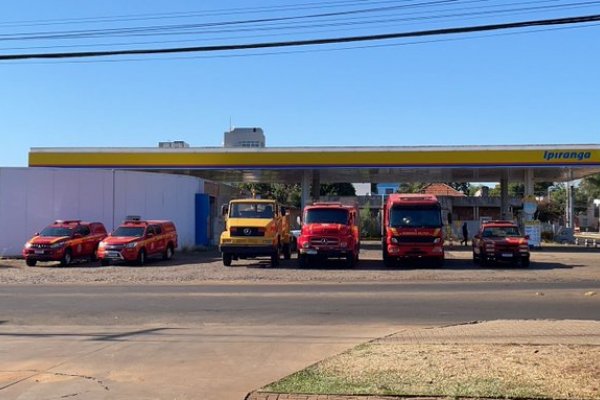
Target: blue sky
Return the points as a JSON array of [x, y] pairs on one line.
[[535, 88]]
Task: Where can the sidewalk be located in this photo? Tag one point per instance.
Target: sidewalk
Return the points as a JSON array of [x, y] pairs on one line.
[[486, 339]]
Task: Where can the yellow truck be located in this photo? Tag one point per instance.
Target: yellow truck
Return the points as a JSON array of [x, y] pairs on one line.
[[255, 228]]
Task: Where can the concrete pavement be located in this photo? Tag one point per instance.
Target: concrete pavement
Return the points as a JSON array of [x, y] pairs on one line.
[[209, 362]]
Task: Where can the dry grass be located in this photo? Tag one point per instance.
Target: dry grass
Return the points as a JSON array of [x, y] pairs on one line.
[[500, 371]]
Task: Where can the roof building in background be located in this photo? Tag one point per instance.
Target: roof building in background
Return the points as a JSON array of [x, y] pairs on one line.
[[244, 137], [176, 144], [441, 189]]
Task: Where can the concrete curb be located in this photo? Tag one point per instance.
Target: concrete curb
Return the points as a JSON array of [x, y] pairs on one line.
[[286, 396]]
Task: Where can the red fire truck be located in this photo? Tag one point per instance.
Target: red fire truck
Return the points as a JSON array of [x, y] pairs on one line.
[[329, 230], [412, 229]]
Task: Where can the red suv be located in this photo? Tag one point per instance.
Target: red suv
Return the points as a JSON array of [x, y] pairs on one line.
[[64, 241], [500, 241], [136, 240]]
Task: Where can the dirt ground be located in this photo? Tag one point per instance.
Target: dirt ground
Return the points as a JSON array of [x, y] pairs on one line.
[[554, 264]]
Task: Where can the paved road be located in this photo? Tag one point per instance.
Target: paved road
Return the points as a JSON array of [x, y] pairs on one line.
[[220, 341], [306, 304]]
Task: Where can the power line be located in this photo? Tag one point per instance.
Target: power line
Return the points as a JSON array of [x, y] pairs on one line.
[[351, 24], [311, 42], [193, 14], [284, 23]]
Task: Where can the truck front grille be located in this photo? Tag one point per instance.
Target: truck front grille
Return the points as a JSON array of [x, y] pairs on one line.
[[415, 239], [324, 241], [247, 232]]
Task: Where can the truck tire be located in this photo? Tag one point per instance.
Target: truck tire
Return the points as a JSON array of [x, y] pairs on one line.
[[525, 262], [67, 258], [30, 262], [104, 262], [168, 254], [141, 258], [303, 260], [227, 259], [476, 258], [275, 259], [287, 251], [350, 259]]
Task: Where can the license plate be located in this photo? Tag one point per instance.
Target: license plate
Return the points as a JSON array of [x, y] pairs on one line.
[[507, 255], [113, 254], [39, 251], [311, 251]]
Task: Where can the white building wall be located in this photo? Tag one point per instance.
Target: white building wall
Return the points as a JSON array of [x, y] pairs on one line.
[[31, 198]]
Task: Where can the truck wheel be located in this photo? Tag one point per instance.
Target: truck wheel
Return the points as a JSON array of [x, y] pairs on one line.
[[168, 254], [104, 262], [302, 260], [484, 261], [438, 262], [388, 261], [275, 259], [227, 259], [141, 258], [525, 262], [476, 258], [287, 252], [350, 258], [67, 258], [30, 262]]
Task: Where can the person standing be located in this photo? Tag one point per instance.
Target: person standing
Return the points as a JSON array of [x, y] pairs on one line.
[[465, 232]]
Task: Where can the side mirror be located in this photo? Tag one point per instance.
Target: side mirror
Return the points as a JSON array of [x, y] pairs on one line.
[[298, 220], [36, 234], [477, 236], [77, 235], [526, 237], [224, 209], [150, 235]]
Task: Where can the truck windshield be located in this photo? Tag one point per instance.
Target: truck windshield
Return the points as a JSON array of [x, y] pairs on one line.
[[501, 231], [251, 210], [129, 231], [56, 231], [325, 216], [415, 217]]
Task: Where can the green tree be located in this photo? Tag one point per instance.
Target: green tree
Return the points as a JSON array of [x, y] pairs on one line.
[[463, 187], [411, 187], [590, 185], [337, 189]]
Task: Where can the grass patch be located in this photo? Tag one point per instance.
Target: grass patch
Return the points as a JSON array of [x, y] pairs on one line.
[[493, 371]]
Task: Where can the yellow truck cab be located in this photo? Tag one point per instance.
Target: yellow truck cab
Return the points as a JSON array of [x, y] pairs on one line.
[[255, 228]]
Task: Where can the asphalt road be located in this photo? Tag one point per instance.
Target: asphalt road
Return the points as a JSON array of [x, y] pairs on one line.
[[99, 338], [307, 304]]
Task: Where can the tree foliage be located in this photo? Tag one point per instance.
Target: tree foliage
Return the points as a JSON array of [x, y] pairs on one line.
[[337, 189]]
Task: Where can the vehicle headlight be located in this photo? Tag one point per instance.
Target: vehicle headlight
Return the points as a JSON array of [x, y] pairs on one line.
[[305, 245], [58, 245], [394, 240], [437, 240], [27, 245], [101, 245], [131, 245]]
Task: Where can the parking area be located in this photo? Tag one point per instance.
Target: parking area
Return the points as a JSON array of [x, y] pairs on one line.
[[557, 263]]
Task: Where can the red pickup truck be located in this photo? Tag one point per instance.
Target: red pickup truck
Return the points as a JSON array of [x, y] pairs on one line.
[[500, 241], [64, 241], [136, 240]]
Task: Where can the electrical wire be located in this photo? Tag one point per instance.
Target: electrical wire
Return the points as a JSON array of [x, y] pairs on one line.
[[311, 42]]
